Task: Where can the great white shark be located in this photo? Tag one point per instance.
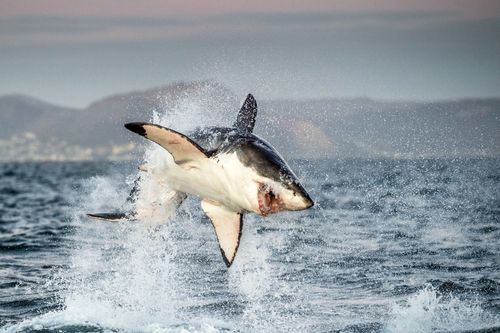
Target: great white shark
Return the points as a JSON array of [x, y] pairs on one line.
[[230, 169]]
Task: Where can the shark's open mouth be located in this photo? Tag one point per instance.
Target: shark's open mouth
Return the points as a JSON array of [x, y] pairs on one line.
[[269, 201]]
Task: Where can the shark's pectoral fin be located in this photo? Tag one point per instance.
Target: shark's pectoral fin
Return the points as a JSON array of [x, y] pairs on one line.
[[185, 151], [228, 226]]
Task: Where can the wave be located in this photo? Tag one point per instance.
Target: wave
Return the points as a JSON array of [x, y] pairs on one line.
[[431, 311]]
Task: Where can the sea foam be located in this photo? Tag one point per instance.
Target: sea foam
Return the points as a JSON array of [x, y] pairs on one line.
[[430, 311]]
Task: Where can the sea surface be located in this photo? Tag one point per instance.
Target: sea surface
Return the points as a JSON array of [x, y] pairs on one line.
[[391, 246]]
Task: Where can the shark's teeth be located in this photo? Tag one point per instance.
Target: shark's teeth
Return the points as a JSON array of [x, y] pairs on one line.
[[269, 200]]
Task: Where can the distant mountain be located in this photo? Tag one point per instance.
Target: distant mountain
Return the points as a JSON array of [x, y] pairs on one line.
[[36, 130], [369, 128], [20, 113]]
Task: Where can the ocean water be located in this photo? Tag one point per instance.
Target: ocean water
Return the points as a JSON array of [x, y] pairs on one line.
[[391, 246]]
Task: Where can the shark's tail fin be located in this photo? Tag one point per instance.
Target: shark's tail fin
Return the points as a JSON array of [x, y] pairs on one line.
[[112, 217], [119, 216], [137, 208]]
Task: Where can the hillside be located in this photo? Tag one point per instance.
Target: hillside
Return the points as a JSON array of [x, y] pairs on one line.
[[36, 130]]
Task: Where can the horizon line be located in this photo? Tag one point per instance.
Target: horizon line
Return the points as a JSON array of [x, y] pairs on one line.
[[274, 99]]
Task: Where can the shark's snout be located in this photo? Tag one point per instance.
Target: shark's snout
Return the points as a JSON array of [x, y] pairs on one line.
[[298, 198], [301, 200], [306, 199]]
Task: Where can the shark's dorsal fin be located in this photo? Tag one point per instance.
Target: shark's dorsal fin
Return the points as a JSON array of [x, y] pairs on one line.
[[228, 226], [246, 117], [183, 149]]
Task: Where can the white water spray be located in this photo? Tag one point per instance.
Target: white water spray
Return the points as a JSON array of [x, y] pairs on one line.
[[429, 311]]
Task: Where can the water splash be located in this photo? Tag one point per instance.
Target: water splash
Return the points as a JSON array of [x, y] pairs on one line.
[[207, 106], [133, 278], [271, 303], [128, 276], [430, 311]]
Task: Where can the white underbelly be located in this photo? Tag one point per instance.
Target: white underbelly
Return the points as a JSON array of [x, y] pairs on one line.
[[216, 181]]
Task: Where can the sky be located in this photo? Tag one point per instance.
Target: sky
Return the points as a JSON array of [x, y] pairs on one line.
[[75, 52]]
